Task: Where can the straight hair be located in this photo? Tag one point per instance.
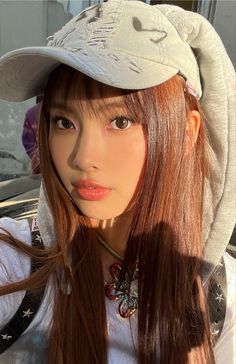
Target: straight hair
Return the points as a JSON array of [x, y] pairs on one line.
[[165, 237]]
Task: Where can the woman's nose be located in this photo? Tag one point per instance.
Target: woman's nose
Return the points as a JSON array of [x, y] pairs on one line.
[[88, 153]]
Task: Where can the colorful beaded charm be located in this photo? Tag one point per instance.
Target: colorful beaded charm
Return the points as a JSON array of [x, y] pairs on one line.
[[126, 292]]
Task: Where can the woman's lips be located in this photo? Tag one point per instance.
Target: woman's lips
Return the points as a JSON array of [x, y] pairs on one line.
[[91, 191]]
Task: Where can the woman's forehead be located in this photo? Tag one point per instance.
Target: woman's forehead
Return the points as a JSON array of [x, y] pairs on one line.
[[84, 92]]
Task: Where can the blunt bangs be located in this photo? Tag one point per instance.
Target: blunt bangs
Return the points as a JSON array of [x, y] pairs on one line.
[[73, 90]]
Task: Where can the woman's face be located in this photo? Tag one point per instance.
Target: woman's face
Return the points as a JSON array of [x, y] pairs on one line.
[[98, 152]]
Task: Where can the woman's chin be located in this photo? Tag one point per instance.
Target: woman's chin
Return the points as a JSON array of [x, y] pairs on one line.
[[96, 214]]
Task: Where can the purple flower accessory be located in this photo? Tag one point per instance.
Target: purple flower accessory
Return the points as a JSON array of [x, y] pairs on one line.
[[126, 292], [190, 89]]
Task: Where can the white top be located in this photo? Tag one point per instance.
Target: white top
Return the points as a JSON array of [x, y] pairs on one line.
[[29, 348]]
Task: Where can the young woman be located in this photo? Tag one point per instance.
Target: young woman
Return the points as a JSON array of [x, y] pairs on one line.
[[136, 206]]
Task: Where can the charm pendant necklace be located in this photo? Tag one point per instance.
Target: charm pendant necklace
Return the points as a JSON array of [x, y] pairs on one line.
[[109, 248], [127, 291]]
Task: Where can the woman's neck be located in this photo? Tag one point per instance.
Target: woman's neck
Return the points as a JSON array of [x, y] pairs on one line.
[[115, 233]]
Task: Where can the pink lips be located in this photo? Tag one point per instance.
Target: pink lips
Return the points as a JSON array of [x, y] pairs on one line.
[[91, 191]]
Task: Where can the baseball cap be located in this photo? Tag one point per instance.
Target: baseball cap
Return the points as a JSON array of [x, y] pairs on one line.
[[125, 44]]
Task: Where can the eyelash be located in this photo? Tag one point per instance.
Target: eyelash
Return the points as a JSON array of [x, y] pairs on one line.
[[120, 118], [114, 119], [56, 119]]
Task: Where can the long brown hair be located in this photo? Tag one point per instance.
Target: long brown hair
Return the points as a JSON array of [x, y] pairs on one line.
[[165, 239]]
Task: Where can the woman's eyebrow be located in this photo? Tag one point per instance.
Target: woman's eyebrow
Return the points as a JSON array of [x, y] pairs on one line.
[[117, 105], [63, 108], [112, 104]]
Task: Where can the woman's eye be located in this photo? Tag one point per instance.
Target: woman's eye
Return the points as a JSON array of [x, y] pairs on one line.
[[121, 123], [63, 123]]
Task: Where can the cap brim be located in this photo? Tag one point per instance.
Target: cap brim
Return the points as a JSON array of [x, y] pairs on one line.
[[24, 72]]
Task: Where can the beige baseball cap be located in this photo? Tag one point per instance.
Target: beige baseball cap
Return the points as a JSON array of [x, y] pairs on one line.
[[125, 44]]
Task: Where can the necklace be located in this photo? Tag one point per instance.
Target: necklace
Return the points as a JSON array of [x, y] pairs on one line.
[[125, 292], [109, 248]]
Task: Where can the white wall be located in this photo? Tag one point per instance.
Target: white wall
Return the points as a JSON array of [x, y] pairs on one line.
[[22, 23], [225, 25]]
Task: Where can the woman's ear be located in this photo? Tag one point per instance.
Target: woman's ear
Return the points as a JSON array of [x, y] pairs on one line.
[[192, 129]]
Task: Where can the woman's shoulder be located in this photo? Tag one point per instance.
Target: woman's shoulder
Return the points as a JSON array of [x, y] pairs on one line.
[[230, 267], [230, 263], [14, 265], [18, 228], [225, 346]]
